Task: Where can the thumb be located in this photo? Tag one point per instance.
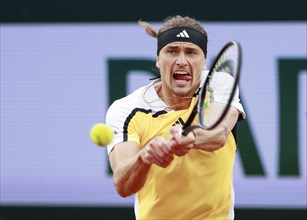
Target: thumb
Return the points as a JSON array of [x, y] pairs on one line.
[[176, 130]]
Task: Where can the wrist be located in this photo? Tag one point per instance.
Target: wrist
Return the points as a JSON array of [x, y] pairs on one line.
[[143, 159], [195, 136]]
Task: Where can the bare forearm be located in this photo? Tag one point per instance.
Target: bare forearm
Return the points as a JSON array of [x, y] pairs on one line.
[[216, 138], [130, 164], [210, 140], [130, 175]]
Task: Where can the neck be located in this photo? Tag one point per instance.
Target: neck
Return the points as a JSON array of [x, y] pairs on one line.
[[173, 101]]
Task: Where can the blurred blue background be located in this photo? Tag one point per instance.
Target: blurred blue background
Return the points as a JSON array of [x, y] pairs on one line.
[[64, 62]]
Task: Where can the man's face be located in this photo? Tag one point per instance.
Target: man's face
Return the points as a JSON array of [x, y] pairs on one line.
[[181, 64]]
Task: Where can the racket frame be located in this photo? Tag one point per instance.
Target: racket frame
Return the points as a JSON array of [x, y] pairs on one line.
[[199, 104]]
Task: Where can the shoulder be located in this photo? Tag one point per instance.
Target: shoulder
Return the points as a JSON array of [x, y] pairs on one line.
[[136, 100], [128, 102]]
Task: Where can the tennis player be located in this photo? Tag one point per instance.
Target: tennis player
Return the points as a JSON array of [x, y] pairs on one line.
[[173, 176]]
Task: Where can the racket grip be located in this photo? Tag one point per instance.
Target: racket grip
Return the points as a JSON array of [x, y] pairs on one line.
[[185, 132], [180, 131]]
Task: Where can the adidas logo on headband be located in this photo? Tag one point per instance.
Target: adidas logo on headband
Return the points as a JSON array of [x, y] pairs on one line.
[[183, 34], [180, 34]]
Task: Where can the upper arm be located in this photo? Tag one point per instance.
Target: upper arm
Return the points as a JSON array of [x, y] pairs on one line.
[[231, 118], [121, 152]]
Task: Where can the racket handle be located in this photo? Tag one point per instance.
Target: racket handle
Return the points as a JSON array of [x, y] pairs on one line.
[[185, 132]]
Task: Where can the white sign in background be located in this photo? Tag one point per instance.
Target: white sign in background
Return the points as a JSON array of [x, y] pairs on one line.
[[54, 88]]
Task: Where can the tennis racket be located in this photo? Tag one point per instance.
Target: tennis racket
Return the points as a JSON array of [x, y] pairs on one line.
[[218, 90]]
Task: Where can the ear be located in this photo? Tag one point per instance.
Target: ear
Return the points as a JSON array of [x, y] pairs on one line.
[[158, 62]]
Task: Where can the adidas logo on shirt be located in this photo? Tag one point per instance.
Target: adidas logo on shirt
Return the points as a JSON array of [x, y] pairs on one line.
[[183, 34]]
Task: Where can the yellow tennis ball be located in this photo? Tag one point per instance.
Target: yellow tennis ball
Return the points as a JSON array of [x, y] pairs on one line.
[[101, 134]]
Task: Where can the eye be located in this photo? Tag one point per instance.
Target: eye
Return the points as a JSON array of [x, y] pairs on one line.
[[171, 51], [191, 52]]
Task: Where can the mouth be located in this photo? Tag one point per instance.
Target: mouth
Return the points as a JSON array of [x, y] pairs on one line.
[[182, 77]]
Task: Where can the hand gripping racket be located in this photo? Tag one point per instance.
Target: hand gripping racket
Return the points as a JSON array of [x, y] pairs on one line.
[[218, 90]]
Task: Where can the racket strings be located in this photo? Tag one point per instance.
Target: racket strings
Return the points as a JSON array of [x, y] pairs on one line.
[[221, 84]]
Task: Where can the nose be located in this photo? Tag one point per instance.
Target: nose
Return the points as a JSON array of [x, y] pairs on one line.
[[182, 60]]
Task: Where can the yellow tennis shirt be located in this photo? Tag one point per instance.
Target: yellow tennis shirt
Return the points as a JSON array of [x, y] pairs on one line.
[[195, 186]]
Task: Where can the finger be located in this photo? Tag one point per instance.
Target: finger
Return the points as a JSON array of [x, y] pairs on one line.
[[172, 145], [159, 153], [163, 154], [183, 150], [184, 140], [175, 129], [180, 152]]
